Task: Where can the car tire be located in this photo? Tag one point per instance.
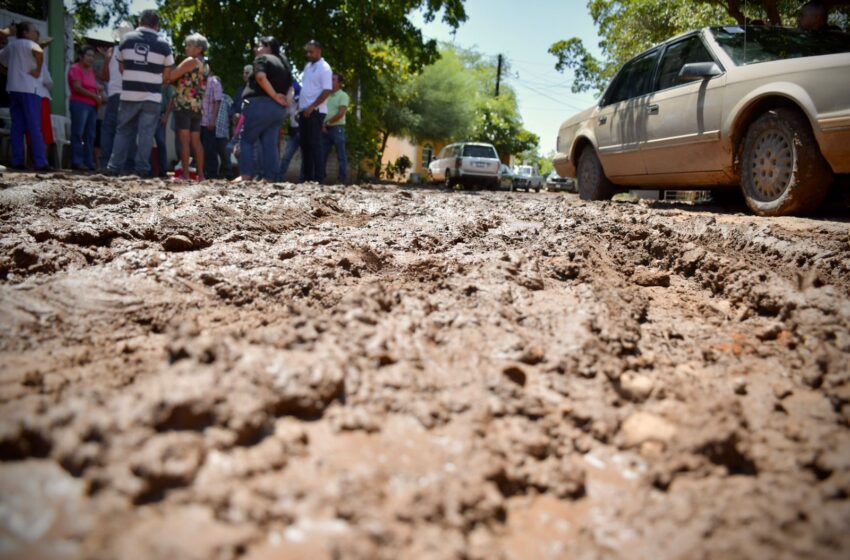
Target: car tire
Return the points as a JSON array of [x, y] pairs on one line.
[[782, 169], [592, 182], [449, 182]]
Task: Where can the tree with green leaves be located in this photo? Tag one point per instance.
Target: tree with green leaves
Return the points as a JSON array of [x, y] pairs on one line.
[[349, 31], [628, 27], [450, 100]]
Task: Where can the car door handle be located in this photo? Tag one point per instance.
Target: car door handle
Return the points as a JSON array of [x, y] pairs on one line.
[[652, 109], [603, 120]]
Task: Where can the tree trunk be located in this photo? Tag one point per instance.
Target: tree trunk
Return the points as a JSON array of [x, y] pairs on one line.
[[773, 15], [379, 164], [733, 7]]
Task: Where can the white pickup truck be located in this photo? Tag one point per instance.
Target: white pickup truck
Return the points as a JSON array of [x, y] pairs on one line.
[[526, 179]]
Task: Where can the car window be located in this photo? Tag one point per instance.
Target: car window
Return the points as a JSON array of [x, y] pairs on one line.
[[755, 44], [443, 153], [634, 79], [687, 51], [479, 152]]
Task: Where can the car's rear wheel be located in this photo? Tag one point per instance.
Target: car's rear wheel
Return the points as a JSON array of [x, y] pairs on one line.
[[592, 182], [782, 169]]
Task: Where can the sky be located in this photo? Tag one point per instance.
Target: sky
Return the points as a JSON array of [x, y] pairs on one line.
[[523, 33]]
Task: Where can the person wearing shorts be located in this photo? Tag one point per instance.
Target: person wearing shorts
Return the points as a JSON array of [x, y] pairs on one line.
[[190, 79]]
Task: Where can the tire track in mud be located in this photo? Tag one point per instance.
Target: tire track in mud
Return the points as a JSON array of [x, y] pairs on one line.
[[383, 373]]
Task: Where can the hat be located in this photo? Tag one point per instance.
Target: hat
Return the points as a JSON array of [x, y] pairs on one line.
[[44, 41]]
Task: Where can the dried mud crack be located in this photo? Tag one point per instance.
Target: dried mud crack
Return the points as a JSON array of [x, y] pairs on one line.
[[283, 371]]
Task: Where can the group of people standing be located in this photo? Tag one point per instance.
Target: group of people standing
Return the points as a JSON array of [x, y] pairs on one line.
[[140, 88]]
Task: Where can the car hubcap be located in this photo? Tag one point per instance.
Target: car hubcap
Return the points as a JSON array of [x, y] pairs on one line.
[[772, 165]]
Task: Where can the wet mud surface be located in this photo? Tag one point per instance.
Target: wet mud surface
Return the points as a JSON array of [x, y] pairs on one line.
[[279, 371]]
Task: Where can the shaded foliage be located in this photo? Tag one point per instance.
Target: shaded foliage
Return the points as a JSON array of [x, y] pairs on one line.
[[628, 27]]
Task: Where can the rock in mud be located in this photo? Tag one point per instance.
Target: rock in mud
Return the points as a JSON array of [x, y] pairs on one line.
[[178, 244], [43, 512], [636, 387], [648, 277], [643, 427]]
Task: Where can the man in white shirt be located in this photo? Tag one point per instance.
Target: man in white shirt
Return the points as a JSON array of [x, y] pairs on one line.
[[316, 87], [23, 60]]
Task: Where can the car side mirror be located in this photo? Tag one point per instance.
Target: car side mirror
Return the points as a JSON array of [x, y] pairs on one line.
[[699, 71]]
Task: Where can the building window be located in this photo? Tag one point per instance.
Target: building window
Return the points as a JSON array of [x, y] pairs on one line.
[[427, 155]]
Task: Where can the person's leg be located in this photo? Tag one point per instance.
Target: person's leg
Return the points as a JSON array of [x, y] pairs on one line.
[[250, 134], [327, 142], [32, 110], [311, 148], [306, 164], [223, 157], [161, 150], [210, 148], [289, 150], [78, 115], [184, 140], [270, 137], [342, 158], [98, 138], [198, 150], [147, 122], [128, 115], [88, 137], [107, 131], [16, 134]]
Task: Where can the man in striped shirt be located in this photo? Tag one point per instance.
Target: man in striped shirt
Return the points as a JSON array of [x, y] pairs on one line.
[[145, 60]]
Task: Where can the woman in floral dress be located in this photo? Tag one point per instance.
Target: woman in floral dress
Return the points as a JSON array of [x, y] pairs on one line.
[[190, 79]]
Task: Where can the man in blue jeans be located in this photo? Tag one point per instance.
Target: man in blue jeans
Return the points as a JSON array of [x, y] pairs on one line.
[[333, 131], [111, 74], [145, 60]]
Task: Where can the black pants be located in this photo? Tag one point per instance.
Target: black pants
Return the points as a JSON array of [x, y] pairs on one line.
[[311, 146], [210, 153]]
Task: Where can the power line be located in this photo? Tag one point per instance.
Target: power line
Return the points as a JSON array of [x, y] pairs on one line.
[[551, 98]]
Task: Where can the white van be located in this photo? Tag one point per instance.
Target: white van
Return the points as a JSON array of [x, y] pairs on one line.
[[466, 163]]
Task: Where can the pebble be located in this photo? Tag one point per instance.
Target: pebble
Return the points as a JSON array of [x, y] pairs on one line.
[[647, 277], [641, 427], [45, 513], [636, 387], [177, 243]]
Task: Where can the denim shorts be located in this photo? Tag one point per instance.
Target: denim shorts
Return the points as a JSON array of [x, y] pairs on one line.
[[187, 120]]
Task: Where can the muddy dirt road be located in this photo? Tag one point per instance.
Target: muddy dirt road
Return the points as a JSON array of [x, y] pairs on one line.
[[281, 371]]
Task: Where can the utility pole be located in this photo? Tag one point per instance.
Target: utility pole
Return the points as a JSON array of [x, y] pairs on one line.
[[56, 54], [499, 76]]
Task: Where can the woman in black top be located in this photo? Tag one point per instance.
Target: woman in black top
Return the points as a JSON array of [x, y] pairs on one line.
[[265, 101]]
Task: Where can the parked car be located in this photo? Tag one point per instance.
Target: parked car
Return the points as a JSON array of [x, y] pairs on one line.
[[555, 182], [526, 179], [763, 109], [506, 177], [467, 163]]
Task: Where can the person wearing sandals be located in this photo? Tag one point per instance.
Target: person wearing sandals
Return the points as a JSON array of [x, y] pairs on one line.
[[190, 79], [266, 100]]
